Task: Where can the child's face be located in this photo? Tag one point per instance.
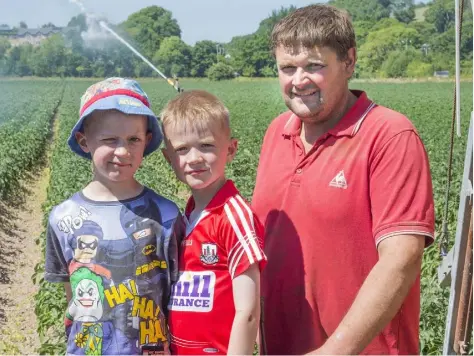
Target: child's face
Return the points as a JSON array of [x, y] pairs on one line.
[[116, 142], [199, 158]]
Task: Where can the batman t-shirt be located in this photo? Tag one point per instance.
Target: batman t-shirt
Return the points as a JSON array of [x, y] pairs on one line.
[[120, 258]]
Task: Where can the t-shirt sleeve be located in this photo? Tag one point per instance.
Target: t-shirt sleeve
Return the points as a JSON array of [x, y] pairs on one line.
[[241, 234], [56, 267], [401, 190], [177, 235]]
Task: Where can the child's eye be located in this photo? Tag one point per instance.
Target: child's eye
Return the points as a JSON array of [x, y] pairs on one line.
[[108, 140], [135, 139], [207, 145], [181, 149]]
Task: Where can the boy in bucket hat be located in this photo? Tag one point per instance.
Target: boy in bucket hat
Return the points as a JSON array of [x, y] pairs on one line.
[[124, 310]]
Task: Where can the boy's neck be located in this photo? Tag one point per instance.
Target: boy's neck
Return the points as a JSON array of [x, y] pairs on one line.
[[99, 190], [202, 197]]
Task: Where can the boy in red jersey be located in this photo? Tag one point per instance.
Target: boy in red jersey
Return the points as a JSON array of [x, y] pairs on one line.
[[214, 307]]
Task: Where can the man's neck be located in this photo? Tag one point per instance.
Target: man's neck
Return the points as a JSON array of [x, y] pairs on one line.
[[311, 132], [99, 190], [202, 197]]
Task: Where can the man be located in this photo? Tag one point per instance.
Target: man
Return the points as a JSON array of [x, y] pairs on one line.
[[344, 190]]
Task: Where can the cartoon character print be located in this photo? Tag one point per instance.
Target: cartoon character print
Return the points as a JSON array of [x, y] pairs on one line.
[[85, 243], [91, 334], [87, 302], [142, 223]]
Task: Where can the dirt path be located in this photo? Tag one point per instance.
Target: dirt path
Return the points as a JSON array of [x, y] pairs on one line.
[[21, 223]]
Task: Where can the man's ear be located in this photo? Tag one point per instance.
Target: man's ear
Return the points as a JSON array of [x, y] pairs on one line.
[[232, 150], [82, 141], [350, 61]]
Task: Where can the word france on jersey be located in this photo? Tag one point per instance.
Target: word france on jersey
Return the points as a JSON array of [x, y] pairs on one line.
[[194, 291]]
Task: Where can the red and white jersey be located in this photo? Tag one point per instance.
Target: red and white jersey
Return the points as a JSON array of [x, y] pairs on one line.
[[222, 243]]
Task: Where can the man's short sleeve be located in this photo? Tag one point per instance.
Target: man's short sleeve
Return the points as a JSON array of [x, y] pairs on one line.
[[241, 234], [401, 190], [56, 267]]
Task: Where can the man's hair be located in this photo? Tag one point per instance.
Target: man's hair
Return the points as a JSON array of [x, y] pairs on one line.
[[196, 110], [315, 25]]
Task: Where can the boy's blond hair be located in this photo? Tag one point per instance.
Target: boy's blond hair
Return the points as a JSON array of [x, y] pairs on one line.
[[196, 110]]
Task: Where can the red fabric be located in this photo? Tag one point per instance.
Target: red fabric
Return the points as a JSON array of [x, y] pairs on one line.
[[367, 179], [225, 241], [106, 94]]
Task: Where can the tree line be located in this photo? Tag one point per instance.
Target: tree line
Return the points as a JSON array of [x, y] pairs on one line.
[[395, 38]]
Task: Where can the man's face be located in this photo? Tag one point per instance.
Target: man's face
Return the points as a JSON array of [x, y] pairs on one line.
[[313, 81], [116, 142]]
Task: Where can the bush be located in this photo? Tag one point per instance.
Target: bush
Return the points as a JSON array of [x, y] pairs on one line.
[[395, 66], [220, 71], [419, 69]]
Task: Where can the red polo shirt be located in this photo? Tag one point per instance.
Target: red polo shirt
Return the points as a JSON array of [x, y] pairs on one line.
[[325, 211]]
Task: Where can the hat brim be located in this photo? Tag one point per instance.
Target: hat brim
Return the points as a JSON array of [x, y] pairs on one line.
[[126, 105]]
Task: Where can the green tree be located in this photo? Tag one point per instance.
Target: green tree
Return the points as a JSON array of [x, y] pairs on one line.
[[403, 10], [441, 14], [419, 69], [4, 47], [19, 60], [174, 57], [149, 26], [49, 59], [395, 66], [220, 71], [23, 24], [363, 10], [381, 42], [204, 55], [362, 30]]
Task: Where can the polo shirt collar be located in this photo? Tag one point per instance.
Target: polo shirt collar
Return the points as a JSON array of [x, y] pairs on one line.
[[349, 124]]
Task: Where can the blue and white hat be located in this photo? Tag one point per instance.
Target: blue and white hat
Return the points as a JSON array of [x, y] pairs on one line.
[[121, 94]]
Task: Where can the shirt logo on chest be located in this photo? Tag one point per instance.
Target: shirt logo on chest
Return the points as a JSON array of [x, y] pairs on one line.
[[339, 181], [209, 254]]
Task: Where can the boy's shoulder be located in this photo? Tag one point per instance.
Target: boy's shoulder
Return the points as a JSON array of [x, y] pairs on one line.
[[66, 208], [168, 208]]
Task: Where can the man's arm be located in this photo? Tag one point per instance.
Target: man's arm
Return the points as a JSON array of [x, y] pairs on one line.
[[246, 290], [380, 296]]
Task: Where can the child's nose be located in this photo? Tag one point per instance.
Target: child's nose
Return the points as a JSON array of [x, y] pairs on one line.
[[194, 156], [121, 150]]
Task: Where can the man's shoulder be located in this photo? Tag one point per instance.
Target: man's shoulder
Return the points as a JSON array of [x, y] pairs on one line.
[[385, 121]]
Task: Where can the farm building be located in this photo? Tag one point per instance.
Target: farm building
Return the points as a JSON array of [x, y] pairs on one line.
[[19, 36]]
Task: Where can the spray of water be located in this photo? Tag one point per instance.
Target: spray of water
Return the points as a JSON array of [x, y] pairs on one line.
[[94, 33], [104, 25]]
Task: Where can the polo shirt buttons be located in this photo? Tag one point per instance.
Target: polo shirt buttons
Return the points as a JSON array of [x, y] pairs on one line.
[[299, 170]]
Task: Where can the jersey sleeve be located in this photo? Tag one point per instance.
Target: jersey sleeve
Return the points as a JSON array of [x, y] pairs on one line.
[[401, 190], [56, 267], [241, 234]]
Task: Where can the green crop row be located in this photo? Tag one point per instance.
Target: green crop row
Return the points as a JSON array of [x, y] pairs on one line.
[[25, 125], [253, 105]]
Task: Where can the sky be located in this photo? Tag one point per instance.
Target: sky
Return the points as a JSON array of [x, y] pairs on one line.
[[216, 20]]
